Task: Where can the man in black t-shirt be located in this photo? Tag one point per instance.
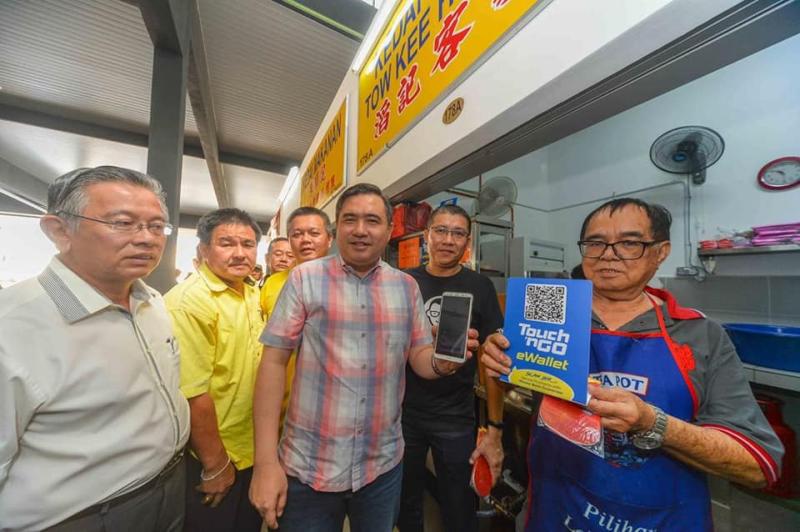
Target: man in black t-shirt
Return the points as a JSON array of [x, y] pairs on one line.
[[440, 414]]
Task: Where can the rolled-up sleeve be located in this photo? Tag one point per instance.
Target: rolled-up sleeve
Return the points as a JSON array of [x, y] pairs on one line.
[[286, 322], [728, 405], [420, 329]]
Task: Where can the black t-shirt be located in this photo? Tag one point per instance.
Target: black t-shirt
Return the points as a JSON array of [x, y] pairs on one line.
[[451, 399]]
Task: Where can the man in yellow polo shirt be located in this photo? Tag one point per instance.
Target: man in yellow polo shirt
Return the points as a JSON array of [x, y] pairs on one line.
[[310, 237], [217, 320]]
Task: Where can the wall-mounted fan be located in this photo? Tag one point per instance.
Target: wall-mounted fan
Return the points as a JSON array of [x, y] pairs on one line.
[[688, 150], [496, 196]]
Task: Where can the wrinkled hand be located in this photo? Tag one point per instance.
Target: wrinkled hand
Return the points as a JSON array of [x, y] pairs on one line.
[[494, 357], [620, 410], [491, 448], [214, 490], [268, 492]]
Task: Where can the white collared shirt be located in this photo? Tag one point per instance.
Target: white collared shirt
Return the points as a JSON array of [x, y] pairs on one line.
[[90, 407]]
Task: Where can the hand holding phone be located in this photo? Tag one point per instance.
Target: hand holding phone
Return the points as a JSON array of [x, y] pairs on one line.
[[454, 318]]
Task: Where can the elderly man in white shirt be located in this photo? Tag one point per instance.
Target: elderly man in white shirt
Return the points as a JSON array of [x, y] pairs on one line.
[[92, 423]]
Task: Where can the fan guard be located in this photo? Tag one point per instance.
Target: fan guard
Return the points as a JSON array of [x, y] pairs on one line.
[[688, 150]]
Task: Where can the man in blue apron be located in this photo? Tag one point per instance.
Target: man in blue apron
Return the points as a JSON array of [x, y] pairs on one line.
[[674, 401]]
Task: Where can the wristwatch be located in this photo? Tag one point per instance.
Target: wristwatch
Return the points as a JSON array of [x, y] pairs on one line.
[[653, 438]]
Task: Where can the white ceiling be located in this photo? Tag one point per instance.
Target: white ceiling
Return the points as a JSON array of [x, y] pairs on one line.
[[272, 76]]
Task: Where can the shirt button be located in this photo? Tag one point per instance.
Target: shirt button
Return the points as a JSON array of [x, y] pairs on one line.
[[361, 431], [363, 399], [363, 306], [363, 366], [363, 335]]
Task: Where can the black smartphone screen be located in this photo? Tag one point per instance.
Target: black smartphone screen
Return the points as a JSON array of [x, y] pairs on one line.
[[451, 340]]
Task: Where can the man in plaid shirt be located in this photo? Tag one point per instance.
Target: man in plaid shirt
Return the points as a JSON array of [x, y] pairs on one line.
[[356, 321]]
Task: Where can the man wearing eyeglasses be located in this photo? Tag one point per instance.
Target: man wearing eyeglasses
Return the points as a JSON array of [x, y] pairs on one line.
[[674, 401], [217, 318], [92, 422], [440, 414]]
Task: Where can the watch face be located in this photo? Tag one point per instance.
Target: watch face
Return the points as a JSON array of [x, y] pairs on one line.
[[780, 174], [648, 442]]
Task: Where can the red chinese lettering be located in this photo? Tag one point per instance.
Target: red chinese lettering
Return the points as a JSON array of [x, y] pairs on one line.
[[448, 41], [499, 4], [409, 89], [382, 118]]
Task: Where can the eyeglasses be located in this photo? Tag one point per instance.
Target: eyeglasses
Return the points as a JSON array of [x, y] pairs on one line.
[[127, 226], [442, 232], [624, 249]]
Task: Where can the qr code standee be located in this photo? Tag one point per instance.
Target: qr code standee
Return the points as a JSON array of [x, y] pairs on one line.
[[546, 303]]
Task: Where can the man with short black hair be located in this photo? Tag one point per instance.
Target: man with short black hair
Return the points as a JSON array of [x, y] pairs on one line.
[[355, 321], [674, 403], [310, 237], [92, 423], [440, 414], [217, 320]]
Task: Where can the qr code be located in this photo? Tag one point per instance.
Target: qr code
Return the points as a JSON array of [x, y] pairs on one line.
[[546, 302]]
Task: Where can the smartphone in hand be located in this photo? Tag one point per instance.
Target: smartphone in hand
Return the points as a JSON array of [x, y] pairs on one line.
[[454, 318]]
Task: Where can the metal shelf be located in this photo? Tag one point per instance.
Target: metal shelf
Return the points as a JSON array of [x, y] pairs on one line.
[[778, 378], [783, 248]]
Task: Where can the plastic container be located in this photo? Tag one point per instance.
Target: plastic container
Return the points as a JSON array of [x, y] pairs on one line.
[[789, 480], [769, 346]]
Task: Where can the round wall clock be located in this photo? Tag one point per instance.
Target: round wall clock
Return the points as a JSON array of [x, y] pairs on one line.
[[780, 174]]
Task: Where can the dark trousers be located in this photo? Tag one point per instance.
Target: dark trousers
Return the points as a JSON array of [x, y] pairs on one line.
[[451, 447], [233, 514], [158, 508], [373, 508]]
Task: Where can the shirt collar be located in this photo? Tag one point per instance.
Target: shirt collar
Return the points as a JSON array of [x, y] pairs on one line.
[[349, 269], [76, 299], [215, 284]]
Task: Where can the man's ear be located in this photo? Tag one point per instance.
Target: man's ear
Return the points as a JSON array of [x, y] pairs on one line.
[[202, 250], [663, 251], [57, 231]]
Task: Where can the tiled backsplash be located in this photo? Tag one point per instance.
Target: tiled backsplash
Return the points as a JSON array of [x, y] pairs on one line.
[[765, 299]]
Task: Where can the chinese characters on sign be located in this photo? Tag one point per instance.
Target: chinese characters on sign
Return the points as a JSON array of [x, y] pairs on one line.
[[447, 43], [325, 174], [426, 47]]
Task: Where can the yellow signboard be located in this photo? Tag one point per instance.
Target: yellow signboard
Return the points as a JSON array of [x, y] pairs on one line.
[[426, 46], [324, 176]]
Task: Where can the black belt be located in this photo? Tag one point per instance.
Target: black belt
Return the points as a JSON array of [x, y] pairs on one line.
[[153, 482]]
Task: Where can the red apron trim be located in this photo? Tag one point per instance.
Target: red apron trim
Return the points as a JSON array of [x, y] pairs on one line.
[[628, 334], [762, 457], [673, 308], [682, 354]]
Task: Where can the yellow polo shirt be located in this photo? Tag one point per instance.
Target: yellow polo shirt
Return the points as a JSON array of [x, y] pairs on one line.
[[217, 331], [269, 296]]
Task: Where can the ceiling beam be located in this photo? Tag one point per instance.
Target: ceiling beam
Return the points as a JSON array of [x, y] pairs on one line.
[[23, 187], [351, 18], [50, 117], [199, 88], [162, 25]]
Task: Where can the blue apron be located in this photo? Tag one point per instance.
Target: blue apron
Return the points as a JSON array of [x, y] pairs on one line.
[[631, 490]]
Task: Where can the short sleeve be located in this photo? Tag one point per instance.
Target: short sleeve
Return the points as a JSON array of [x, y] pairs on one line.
[[285, 326], [420, 329], [727, 404], [19, 400], [197, 341]]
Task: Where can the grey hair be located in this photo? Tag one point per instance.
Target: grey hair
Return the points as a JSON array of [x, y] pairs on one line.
[[67, 194], [275, 241]]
